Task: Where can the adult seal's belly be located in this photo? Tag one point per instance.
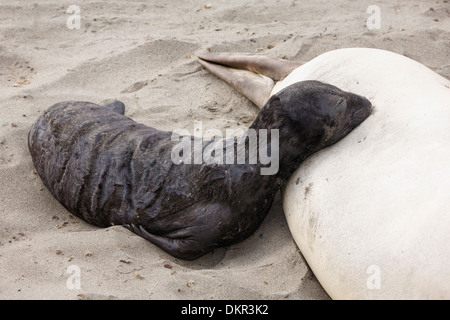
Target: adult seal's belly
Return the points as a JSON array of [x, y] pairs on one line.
[[372, 215]]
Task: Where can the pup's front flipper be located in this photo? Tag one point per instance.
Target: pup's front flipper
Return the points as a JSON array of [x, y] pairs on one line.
[[178, 244]]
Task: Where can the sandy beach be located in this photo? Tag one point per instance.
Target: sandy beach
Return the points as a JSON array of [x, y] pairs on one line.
[[144, 54]]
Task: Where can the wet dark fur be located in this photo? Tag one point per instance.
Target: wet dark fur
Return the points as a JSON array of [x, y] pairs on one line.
[[109, 170]]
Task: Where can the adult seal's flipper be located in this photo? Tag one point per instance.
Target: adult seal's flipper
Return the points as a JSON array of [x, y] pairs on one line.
[[252, 75], [255, 87], [116, 106], [275, 69]]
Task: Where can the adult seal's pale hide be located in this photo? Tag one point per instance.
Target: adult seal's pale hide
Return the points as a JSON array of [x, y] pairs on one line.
[[372, 214]]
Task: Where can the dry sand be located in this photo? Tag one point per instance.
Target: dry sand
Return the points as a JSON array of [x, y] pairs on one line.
[[143, 53]]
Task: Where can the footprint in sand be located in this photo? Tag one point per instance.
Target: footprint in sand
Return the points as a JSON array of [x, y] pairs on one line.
[[135, 87]]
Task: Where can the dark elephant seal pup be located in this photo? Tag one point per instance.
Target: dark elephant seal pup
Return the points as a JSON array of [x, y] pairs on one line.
[[109, 170]]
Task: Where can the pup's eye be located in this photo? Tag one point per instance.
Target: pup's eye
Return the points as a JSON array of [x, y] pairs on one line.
[[342, 103]]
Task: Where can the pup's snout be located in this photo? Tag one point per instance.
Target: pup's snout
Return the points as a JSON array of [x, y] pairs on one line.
[[360, 105]]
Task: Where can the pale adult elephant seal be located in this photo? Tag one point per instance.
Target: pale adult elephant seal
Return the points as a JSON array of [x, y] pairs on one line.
[[109, 170], [371, 215]]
